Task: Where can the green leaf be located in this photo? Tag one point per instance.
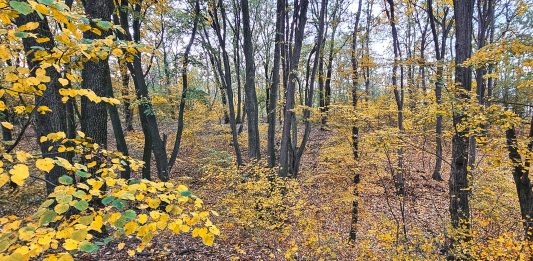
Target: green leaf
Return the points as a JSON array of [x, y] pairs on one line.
[[21, 34], [65, 180], [104, 24], [108, 200], [82, 174], [119, 203], [79, 193], [186, 193], [47, 203], [46, 2], [85, 220], [129, 214], [47, 217], [81, 205], [65, 199], [21, 7], [88, 247]]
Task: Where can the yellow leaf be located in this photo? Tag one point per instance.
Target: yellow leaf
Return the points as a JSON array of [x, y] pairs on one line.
[[19, 173], [70, 244], [130, 227], [46, 164], [61, 208], [97, 223], [41, 9], [121, 246], [22, 156], [142, 218], [63, 81], [4, 178], [117, 52], [7, 125]]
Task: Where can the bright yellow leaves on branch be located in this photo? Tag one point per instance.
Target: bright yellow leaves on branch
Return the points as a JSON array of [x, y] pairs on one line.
[[69, 93], [89, 196], [126, 208]]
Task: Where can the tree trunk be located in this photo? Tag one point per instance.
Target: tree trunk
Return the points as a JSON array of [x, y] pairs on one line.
[[299, 19], [355, 128], [184, 80], [146, 112], [128, 114], [522, 180], [96, 76], [439, 56], [273, 95], [252, 111], [459, 185], [54, 121], [226, 79]]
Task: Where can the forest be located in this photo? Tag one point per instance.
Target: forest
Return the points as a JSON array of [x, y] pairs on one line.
[[266, 130]]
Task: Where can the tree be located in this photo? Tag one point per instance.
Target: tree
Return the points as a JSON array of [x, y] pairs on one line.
[[289, 121], [254, 148], [355, 129], [459, 185], [221, 33], [440, 51], [274, 88], [184, 81]]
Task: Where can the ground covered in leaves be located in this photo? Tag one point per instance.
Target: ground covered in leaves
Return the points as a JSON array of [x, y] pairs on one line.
[[315, 223]]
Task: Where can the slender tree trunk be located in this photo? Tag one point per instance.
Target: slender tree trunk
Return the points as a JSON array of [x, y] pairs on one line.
[[355, 128], [146, 112], [184, 80], [252, 111], [273, 96], [221, 36], [329, 69], [299, 20], [119, 133], [398, 95], [439, 55], [7, 134], [128, 114]]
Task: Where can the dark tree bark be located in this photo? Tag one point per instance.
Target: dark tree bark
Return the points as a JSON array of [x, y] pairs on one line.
[[54, 121], [237, 59], [399, 179], [226, 80], [7, 134], [368, 29], [184, 80], [485, 11], [252, 111], [96, 76], [329, 65], [146, 112], [122, 146], [459, 186], [439, 56], [274, 88], [128, 113], [289, 123], [521, 179]]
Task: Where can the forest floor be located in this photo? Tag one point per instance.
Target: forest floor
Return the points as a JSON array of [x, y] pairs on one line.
[[326, 184]]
